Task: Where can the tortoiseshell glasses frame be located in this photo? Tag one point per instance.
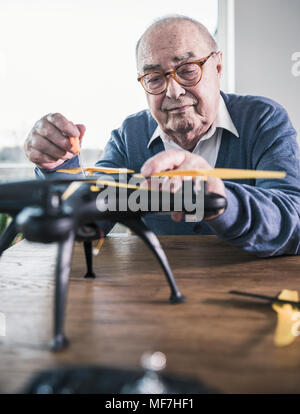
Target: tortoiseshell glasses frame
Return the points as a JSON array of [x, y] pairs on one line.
[[162, 78]]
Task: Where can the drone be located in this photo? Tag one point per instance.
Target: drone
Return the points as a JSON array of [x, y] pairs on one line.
[[63, 210]]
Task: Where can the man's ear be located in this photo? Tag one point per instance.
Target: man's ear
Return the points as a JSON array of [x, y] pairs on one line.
[[219, 63]]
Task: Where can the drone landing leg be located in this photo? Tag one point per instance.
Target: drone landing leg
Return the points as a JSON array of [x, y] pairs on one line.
[[153, 243], [89, 259], [65, 249], [8, 236]]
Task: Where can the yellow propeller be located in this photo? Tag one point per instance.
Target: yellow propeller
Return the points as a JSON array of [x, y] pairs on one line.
[[114, 184], [75, 185], [224, 173], [92, 170]]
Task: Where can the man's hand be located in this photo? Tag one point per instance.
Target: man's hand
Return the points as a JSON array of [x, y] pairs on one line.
[[183, 160], [48, 144]]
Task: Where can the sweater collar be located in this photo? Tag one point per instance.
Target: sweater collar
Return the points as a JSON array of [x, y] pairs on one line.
[[223, 120]]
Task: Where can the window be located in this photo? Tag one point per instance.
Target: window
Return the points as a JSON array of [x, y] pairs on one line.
[[54, 53]]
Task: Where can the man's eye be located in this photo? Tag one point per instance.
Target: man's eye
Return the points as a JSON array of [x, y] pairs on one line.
[[154, 79], [187, 71]]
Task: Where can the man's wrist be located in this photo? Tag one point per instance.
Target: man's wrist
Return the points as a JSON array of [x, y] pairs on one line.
[[71, 163], [215, 216], [223, 222], [68, 164]]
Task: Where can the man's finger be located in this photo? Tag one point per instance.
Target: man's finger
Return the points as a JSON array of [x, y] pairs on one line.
[[177, 216], [171, 184], [165, 160], [39, 158], [82, 129], [46, 130], [44, 146], [65, 126]]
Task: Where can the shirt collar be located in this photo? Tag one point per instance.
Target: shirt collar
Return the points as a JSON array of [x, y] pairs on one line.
[[223, 120]]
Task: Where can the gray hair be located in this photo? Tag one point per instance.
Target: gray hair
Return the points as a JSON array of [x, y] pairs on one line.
[[173, 17]]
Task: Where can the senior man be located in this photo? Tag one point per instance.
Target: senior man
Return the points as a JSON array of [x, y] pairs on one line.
[[191, 124]]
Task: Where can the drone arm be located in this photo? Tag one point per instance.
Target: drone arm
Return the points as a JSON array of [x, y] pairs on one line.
[[8, 236], [138, 226], [105, 225], [88, 252], [65, 249]]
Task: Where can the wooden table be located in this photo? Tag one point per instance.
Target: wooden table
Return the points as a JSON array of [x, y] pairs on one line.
[[225, 340]]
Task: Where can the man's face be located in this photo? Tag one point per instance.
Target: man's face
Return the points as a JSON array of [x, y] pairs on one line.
[[183, 113]]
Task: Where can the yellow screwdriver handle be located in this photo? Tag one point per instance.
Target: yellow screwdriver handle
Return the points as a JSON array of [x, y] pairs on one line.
[[286, 316]]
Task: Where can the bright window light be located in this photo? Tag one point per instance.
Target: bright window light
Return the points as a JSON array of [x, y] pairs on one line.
[[54, 53]]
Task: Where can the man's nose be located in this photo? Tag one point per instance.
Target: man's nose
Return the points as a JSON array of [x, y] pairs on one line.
[[174, 89]]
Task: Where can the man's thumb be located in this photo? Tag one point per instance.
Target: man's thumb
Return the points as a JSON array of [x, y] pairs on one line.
[[82, 129]]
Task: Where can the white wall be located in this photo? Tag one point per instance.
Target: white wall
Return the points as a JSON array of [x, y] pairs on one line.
[[267, 34]]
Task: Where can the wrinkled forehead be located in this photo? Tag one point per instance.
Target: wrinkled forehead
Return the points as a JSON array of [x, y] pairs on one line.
[[166, 46]]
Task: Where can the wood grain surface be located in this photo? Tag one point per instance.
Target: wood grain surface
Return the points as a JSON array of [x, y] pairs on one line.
[[224, 340]]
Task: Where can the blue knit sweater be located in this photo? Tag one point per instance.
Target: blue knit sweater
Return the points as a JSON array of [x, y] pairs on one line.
[[263, 216]]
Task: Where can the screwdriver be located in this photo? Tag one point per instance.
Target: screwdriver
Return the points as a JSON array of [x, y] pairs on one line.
[[76, 149]]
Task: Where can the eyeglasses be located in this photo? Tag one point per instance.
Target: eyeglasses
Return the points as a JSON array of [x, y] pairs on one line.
[[187, 74]]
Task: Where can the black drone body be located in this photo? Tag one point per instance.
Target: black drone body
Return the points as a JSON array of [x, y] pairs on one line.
[[50, 211]]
